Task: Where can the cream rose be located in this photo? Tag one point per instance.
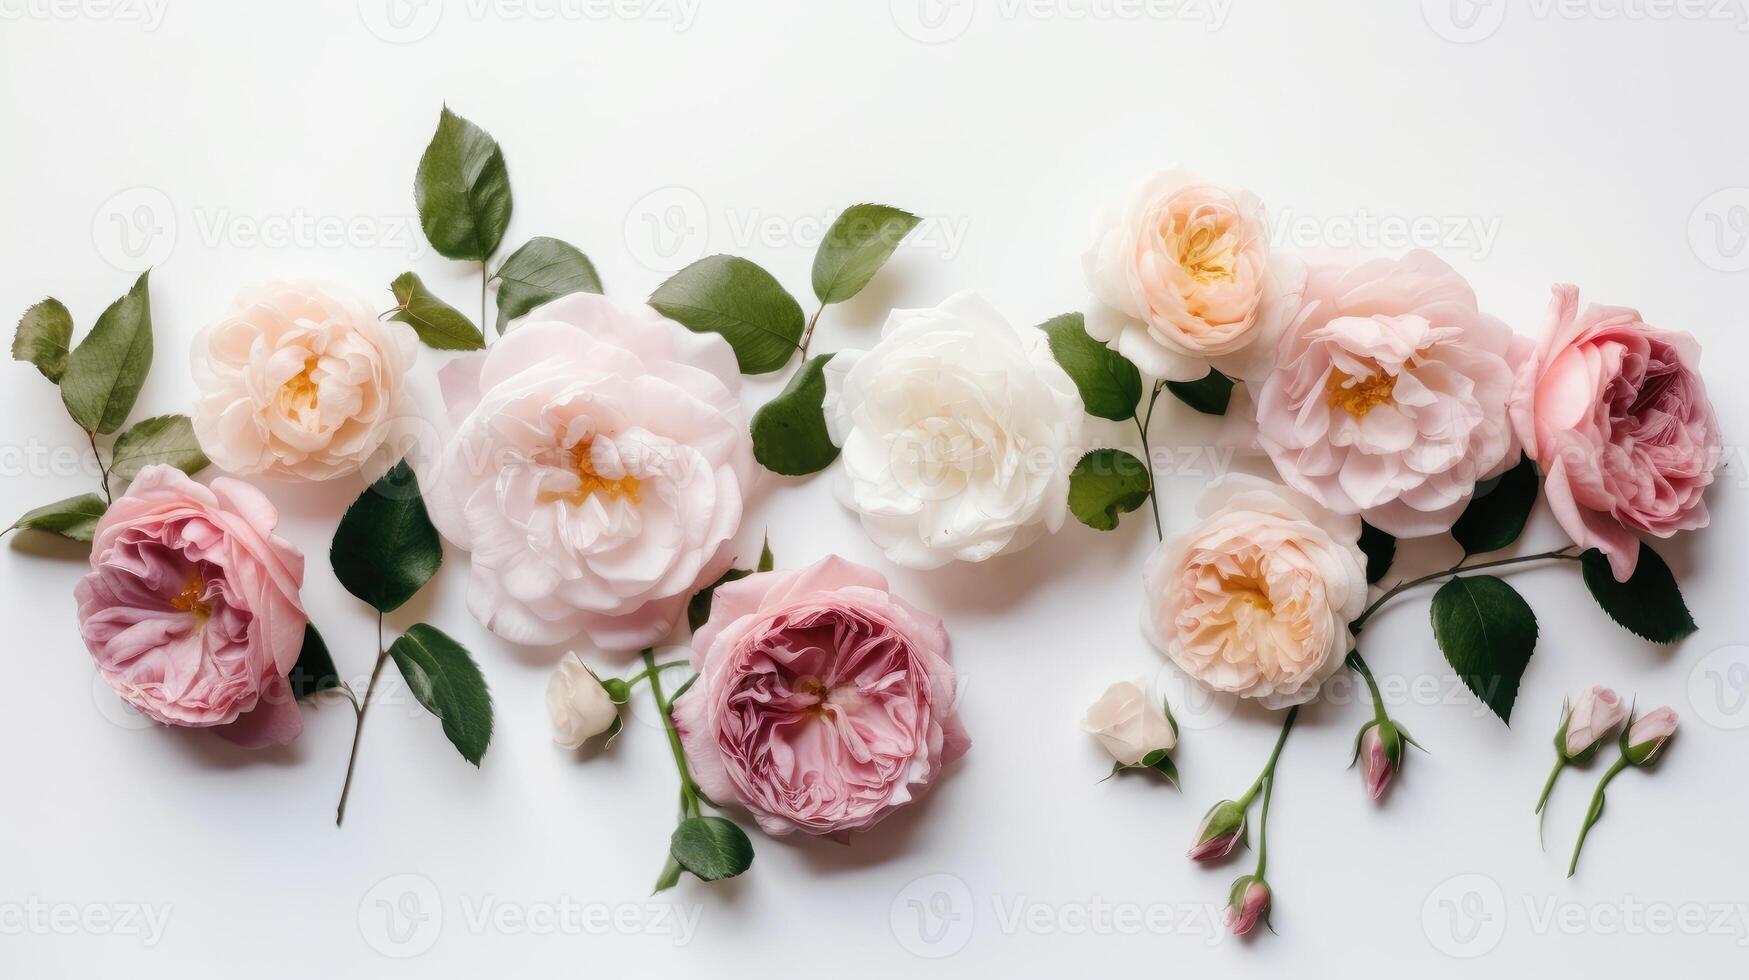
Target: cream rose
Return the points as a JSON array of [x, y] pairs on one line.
[[578, 704], [1256, 598], [301, 381], [958, 432], [1184, 280], [1129, 724]]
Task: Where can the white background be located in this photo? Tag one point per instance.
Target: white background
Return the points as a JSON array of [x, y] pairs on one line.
[[1598, 144]]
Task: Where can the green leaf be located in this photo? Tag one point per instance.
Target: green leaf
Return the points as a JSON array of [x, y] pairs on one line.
[[44, 334], [385, 547], [74, 518], [445, 679], [670, 876], [789, 432], [855, 247], [1106, 483], [1487, 633], [766, 562], [1208, 396], [1649, 604], [731, 296], [1110, 385], [1380, 549], [462, 190], [439, 325], [711, 847], [314, 672], [106, 371], [1496, 516], [540, 272], [160, 439], [698, 608]]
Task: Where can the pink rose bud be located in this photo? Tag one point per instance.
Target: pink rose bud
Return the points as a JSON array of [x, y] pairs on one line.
[[1222, 829], [1647, 735], [1594, 715], [1376, 764], [1248, 906]]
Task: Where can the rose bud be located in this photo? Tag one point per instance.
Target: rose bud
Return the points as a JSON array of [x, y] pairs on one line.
[[1248, 904], [1129, 725], [1595, 713], [1222, 829], [580, 705], [1381, 753], [1646, 736]]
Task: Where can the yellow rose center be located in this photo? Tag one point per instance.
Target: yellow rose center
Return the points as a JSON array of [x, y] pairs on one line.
[[1362, 396], [590, 482], [189, 599], [301, 392], [1207, 255]]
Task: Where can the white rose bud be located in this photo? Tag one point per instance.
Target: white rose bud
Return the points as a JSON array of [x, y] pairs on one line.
[[579, 704], [1594, 715], [1129, 724]]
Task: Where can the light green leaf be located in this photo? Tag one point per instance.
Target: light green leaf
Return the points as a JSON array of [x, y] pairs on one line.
[[160, 439], [106, 371], [444, 678], [540, 272], [314, 672], [1209, 395], [1487, 632], [1496, 516], [385, 548], [439, 325], [855, 247], [74, 518], [733, 297], [1649, 604], [669, 877], [766, 561], [1106, 483], [789, 432], [1110, 385], [462, 190], [711, 847], [44, 334]]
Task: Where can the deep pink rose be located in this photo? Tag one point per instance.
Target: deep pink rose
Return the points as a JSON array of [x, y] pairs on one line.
[[191, 607], [1616, 414], [823, 701]]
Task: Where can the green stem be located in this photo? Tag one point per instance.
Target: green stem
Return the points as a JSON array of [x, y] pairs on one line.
[[645, 674], [1269, 767], [1263, 827], [1595, 812], [359, 708], [1358, 663], [1459, 568], [688, 789], [485, 331], [102, 470], [1142, 424], [1542, 801], [808, 332]]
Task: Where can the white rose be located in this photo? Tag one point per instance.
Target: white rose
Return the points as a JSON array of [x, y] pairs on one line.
[[958, 431], [1129, 724], [579, 705], [301, 381]]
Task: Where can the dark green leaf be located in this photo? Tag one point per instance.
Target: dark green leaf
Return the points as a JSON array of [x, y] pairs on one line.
[[1380, 549], [439, 325], [1208, 396], [160, 439], [855, 247], [462, 190], [540, 272], [75, 517], [1110, 385], [314, 672], [385, 547], [445, 679], [1496, 517], [106, 371], [711, 847], [1487, 633], [1104, 484], [698, 608], [731, 296], [44, 334], [789, 432], [1649, 603]]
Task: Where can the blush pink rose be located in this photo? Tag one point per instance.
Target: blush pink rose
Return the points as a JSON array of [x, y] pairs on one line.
[[1616, 414], [191, 607], [823, 701]]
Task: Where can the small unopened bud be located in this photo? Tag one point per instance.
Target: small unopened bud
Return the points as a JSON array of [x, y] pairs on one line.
[[1248, 905], [1646, 737], [1222, 829], [1376, 762], [1594, 714]]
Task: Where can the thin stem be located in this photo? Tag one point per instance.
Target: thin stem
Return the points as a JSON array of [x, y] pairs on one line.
[[1142, 423], [1356, 661], [808, 331], [1542, 801], [358, 729], [1459, 568], [1268, 780], [688, 789], [1595, 811], [647, 673], [485, 331], [1263, 777], [102, 470]]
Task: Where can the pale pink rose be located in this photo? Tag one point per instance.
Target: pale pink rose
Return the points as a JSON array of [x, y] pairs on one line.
[[1616, 414], [1648, 735], [1255, 599], [823, 701], [1389, 394], [302, 381], [1183, 280], [594, 460], [1249, 905], [1595, 713], [191, 607], [1376, 765], [1129, 724]]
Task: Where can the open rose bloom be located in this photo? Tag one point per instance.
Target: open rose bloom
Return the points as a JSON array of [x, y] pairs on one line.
[[594, 461], [191, 607], [1616, 415], [823, 701]]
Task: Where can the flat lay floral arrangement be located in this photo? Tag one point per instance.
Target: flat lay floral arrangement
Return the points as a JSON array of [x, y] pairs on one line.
[[591, 458]]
